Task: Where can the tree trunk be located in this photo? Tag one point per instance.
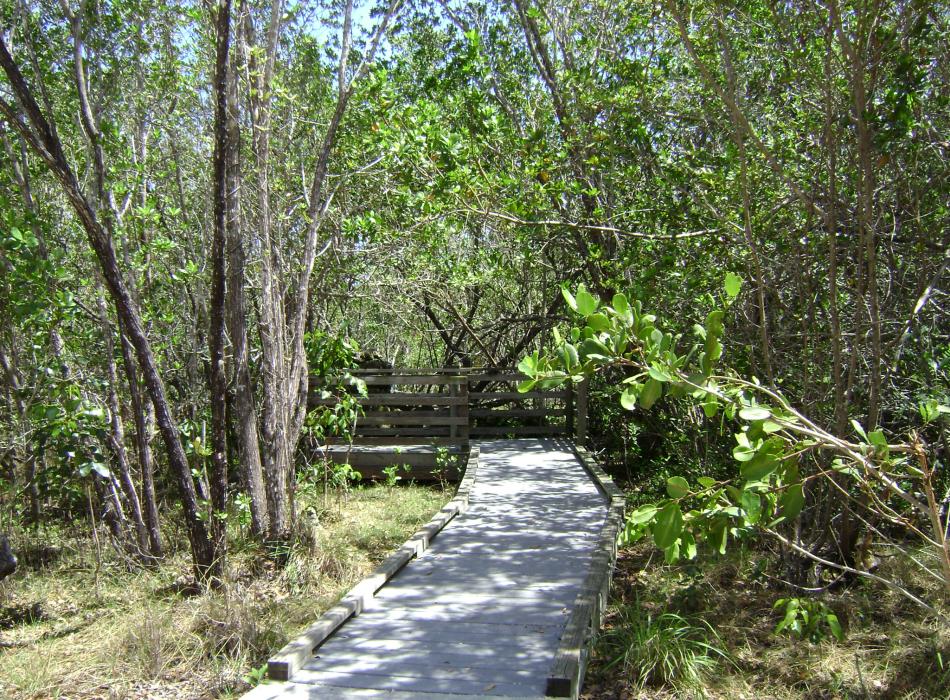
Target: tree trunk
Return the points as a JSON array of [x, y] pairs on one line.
[[242, 389], [143, 447], [117, 438], [223, 214]]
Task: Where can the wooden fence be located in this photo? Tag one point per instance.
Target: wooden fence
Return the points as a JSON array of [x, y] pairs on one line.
[[426, 418]]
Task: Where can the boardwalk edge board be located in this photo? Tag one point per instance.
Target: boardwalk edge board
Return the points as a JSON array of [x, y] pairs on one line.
[[570, 665], [283, 665]]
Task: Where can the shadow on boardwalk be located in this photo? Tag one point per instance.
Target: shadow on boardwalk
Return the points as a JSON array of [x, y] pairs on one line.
[[481, 612]]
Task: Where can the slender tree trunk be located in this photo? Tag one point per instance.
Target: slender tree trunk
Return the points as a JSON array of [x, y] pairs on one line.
[[143, 448], [242, 389], [831, 226], [223, 214], [117, 440]]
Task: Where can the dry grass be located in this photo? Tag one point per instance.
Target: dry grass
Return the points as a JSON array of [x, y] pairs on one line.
[[66, 633], [891, 649]]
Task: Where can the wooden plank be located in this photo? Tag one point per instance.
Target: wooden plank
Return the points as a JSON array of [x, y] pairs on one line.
[[519, 430], [517, 569], [424, 431], [518, 413], [371, 464], [496, 377], [409, 418], [517, 395], [398, 399], [409, 413], [420, 440], [412, 379]]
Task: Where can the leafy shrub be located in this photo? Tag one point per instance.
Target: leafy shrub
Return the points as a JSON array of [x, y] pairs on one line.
[[809, 619]]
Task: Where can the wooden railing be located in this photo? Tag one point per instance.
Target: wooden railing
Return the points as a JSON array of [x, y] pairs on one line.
[[449, 406]]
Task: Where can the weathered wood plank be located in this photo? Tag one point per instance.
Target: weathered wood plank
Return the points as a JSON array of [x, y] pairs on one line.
[[504, 413], [398, 399], [517, 395], [405, 431], [530, 430], [410, 418], [567, 674], [419, 440]]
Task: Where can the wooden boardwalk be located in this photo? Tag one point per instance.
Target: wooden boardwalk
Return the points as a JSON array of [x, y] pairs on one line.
[[483, 611]]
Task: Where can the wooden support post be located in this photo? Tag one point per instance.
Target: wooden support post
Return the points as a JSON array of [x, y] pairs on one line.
[[580, 418], [465, 428], [454, 411], [569, 408]]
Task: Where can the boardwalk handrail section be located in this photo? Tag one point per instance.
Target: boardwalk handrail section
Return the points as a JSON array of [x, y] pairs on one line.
[[449, 406]]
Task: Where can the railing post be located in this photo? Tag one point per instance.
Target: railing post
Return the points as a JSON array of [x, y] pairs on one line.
[[569, 411], [580, 418], [466, 428]]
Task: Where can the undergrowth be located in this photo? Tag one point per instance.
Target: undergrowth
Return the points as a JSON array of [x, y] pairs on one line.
[[70, 629], [707, 629]]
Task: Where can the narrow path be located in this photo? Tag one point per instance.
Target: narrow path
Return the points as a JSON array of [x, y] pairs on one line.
[[481, 612]]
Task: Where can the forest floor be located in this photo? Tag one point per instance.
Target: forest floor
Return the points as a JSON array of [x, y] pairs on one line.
[[72, 630], [890, 649]]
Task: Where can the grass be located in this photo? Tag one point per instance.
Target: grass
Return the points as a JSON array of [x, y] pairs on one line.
[[665, 649], [66, 631], [661, 618]]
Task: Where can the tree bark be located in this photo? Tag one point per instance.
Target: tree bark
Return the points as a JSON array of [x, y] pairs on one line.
[[223, 215], [242, 388], [117, 438]]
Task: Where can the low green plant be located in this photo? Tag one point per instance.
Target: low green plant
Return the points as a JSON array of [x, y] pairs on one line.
[[392, 474], [256, 676], [807, 618], [666, 649]]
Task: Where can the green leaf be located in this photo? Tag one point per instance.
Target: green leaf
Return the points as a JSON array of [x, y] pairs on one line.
[[526, 385], [733, 284], [834, 626], [742, 453], [643, 514], [659, 374], [668, 526], [763, 463], [859, 429], [752, 413], [720, 535], [586, 302], [569, 298], [677, 487], [598, 322], [621, 305], [706, 481], [752, 505], [651, 392], [792, 502], [688, 545], [628, 399], [529, 365]]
